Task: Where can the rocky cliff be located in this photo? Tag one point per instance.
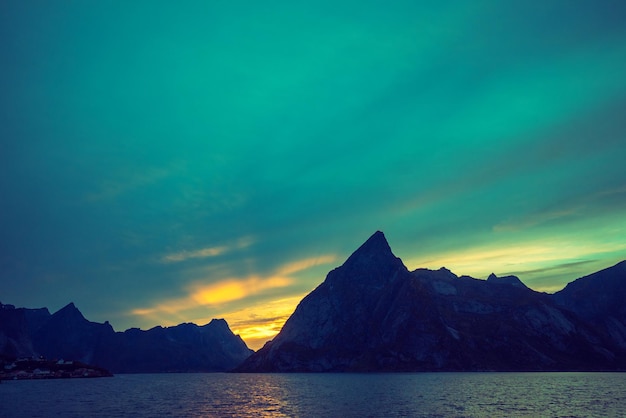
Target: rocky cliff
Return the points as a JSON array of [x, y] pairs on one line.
[[372, 314]]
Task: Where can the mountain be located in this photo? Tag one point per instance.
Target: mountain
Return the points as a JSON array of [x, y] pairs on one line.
[[372, 314], [183, 348], [66, 334], [599, 298], [16, 327]]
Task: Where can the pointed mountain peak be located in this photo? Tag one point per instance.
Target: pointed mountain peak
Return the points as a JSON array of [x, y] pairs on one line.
[[376, 246], [69, 311], [492, 277], [373, 262], [69, 308], [218, 323], [378, 236]]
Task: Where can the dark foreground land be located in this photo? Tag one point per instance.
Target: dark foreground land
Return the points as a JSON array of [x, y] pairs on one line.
[[22, 369]]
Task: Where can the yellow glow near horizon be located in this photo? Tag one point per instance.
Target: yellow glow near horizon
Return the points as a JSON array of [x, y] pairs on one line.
[[257, 323], [480, 261], [214, 294], [234, 289], [220, 293], [260, 323]]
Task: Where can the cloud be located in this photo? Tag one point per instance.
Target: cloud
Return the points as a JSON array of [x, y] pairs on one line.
[[549, 268], [259, 321], [525, 257], [529, 221], [207, 251], [305, 264], [580, 205], [127, 181], [201, 253], [213, 295], [235, 289]]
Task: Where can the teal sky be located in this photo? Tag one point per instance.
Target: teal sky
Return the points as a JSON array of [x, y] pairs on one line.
[[163, 162]]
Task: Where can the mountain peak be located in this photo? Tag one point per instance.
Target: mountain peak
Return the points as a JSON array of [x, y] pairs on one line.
[[70, 307], [511, 280], [372, 263], [219, 323], [70, 311], [377, 238], [371, 314], [376, 247]]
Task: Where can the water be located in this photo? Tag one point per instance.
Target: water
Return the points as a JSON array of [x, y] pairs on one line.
[[321, 395]]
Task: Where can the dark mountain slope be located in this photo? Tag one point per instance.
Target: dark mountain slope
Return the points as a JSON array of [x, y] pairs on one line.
[[68, 335], [16, 328], [599, 298], [183, 348], [371, 314]]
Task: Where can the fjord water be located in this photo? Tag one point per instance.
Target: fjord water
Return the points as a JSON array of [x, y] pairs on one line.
[[321, 395]]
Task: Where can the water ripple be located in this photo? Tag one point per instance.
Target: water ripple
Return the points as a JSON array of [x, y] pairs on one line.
[[321, 395]]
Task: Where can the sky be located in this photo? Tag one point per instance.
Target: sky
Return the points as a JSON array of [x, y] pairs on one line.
[[165, 162]]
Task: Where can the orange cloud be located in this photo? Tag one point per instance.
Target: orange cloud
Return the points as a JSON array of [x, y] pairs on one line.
[[255, 324], [214, 295], [235, 289]]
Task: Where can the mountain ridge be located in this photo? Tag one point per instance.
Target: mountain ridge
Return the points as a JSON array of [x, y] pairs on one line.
[[369, 314], [372, 314], [67, 334]]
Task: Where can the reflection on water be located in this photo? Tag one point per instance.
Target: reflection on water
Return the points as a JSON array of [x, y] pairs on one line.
[[321, 395]]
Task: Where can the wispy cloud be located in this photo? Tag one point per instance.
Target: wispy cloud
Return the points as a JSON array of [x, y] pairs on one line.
[[580, 205], [304, 264], [530, 221], [200, 253], [212, 296], [129, 180], [550, 268], [259, 322], [206, 252], [235, 289], [533, 255]]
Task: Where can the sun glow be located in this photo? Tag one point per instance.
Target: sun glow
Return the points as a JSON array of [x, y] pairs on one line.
[[260, 323], [261, 320], [233, 289]]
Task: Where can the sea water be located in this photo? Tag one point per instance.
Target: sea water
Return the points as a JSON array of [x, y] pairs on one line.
[[320, 395]]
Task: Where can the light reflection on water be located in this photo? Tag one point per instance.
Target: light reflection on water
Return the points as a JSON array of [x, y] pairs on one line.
[[321, 395]]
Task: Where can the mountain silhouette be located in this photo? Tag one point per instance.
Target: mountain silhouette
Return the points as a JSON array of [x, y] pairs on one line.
[[369, 314], [67, 334], [600, 299], [372, 314]]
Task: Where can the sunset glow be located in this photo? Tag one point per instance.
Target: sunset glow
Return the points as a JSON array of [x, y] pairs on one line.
[[164, 163]]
